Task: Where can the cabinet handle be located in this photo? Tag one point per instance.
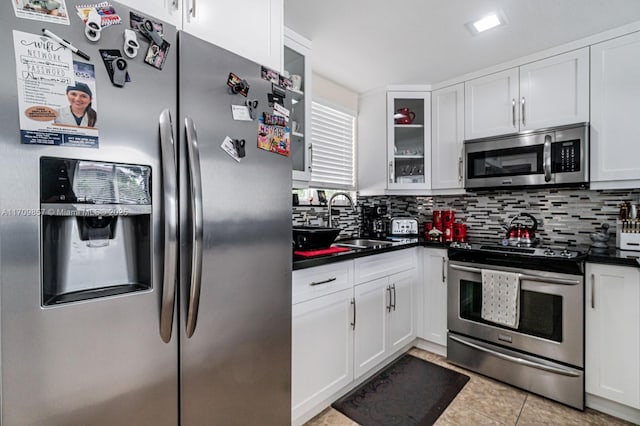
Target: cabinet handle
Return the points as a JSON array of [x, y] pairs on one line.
[[353, 324], [593, 291], [391, 171], [389, 304], [393, 287], [523, 117], [513, 112], [459, 169], [323, 282], [444, 277], [310, 157], [192, 11]]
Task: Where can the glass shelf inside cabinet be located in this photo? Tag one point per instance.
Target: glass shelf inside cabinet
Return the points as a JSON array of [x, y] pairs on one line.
[[294, 64], [409, 143]]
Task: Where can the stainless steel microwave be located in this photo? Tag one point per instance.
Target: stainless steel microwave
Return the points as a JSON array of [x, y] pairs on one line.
[[549, 157]]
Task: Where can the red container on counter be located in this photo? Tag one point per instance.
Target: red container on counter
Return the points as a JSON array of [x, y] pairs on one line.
[[428, 226], [448, 234], [448, 217], [460, 232], [437, 219]]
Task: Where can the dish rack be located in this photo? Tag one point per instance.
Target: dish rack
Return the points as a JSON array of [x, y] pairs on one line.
[[628, 234]]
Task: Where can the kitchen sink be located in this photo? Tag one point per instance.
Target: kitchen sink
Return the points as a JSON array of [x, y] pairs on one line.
[[362, 243]]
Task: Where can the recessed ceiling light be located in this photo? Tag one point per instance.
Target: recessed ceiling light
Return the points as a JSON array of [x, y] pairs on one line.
[[492, 20]]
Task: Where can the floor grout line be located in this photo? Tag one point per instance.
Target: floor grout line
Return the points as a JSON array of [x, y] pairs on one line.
[[526, 396]]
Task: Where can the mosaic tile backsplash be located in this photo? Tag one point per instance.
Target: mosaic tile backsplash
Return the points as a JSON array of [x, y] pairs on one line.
[[565, 216]]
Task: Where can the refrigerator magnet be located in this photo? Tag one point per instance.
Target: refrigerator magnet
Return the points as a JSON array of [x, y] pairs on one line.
[[237, 85], [157, 54], [240, 113], [269, 74], [109, 56], [274, 138], [281, 110], [229, 146]]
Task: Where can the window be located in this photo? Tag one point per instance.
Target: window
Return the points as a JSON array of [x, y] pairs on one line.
[[332, 136]]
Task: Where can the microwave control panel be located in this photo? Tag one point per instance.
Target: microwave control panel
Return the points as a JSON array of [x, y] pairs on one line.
[[565, 156]]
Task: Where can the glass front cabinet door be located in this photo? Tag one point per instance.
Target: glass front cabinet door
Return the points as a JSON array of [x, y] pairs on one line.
[[409, 136], [297, 62]]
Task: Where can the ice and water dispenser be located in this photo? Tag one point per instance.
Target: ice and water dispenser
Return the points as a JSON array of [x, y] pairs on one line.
[[96, 229]]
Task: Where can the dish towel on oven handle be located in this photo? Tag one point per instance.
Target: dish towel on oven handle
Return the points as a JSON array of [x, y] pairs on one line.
[[501, 297]]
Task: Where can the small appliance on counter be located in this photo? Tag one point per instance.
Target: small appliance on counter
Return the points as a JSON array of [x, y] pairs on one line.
[[375, 222], [521, 231], [401, 226]]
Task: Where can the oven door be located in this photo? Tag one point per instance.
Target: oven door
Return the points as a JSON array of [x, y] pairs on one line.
[[551, 312]]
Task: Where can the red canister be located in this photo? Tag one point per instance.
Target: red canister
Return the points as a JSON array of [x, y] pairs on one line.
[[448, 233], [437, 220], [460, 232], [448, 216], [428, 226]]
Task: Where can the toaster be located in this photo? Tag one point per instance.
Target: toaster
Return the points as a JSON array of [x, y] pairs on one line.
[[404, 226]]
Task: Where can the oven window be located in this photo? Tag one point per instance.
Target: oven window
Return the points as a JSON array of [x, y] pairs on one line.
[[506, 162], [540, 313]]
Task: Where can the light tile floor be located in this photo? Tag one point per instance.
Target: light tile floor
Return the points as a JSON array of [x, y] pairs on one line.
[[484, 401]]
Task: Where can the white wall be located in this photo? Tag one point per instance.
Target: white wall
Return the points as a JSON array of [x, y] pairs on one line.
[[335, 95]]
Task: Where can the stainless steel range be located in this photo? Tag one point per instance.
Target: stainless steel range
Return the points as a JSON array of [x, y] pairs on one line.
[[542, 349]]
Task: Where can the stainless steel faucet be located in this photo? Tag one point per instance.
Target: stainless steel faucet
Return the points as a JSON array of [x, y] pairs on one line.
[[347, 196]]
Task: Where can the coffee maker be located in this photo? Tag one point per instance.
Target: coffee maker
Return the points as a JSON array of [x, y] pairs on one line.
[[375, 222]]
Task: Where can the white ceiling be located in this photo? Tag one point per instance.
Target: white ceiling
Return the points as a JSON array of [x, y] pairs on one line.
[[367, 44]]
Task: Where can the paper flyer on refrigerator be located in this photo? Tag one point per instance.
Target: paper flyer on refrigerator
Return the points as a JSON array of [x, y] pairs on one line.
[[56, 95], [54, 11]]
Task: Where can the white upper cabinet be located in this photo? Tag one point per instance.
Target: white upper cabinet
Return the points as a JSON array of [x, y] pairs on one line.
[[409, 140], [297, 61], [167, 10], [249, 28], [541, 94], [490, 104], [447, 137], [615, 128], [555, 91]]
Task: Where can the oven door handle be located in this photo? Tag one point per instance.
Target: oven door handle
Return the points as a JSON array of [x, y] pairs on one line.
[[522, 276], [556, 370]]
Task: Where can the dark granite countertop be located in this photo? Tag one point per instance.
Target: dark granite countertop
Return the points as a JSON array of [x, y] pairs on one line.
[[300, 262], [610, 256], [614, 256]]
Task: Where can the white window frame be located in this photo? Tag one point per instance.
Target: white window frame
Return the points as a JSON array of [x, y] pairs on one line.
[[317, 148]]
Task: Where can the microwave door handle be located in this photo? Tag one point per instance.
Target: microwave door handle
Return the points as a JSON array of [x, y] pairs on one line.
[[195, 178], [170, 206], [547, 158]]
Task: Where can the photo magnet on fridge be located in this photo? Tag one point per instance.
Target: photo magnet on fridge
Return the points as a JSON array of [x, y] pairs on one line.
[[156, 55], [238, 85], [269, 74], [108, 57]]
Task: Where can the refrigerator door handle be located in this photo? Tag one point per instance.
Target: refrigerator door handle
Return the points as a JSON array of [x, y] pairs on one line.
[[195, 178], [170, 205]]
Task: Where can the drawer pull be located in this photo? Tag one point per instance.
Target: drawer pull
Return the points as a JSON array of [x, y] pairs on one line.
[[323, 282]]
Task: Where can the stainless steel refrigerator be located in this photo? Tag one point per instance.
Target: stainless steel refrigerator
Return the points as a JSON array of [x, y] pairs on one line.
[[145, 278]]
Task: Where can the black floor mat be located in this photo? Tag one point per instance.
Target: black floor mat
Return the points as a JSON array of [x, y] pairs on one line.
[[410, 391]]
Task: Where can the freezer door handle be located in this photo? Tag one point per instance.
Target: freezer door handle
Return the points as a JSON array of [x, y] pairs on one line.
[[170, 205], [195, 178]]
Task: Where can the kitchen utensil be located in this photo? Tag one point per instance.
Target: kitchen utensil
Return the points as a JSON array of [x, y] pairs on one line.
[[404, 116]]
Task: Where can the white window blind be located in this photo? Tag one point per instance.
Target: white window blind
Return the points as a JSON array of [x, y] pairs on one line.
[[332, 136]]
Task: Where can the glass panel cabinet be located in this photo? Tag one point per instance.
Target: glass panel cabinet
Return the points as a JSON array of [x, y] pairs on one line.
[[297, 62], [409, 140]]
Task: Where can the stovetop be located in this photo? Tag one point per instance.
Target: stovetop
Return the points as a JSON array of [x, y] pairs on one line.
[[549, 252], [564, 260]]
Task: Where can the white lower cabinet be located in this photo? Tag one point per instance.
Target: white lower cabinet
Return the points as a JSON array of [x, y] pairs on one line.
[[434, 326], [343, 326], [322, 348], [321, 335], [384, 319], [612, 335], [385, 310]]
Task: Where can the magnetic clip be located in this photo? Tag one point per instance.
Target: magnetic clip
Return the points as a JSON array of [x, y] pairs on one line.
[[239, 144], [148, 29], [119, 72], [252, 104], [240, 87]]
